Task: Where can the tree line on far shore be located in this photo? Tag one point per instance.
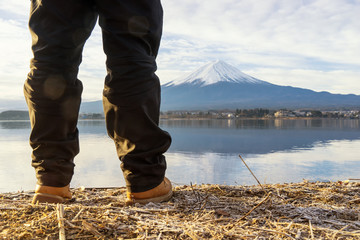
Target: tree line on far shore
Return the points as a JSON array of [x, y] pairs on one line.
[[238, 113], [262, 113]]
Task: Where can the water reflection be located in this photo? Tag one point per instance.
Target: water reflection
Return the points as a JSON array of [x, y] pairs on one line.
[[14, 124], [263, 123], [205, 151], [256, 136]]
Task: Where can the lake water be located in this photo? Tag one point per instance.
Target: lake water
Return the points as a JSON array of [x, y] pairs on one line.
[[205, 151]]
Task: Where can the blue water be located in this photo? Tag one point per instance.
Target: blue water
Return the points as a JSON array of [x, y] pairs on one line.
[[205, 151]]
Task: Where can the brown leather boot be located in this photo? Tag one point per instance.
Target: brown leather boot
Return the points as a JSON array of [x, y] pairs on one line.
[[47, 194], [161, 193]]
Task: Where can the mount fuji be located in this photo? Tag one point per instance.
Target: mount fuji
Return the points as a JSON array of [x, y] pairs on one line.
[[219, 85], [213, 73]]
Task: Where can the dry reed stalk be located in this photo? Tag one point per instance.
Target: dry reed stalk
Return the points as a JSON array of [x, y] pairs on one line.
[[78, 214], [252, 173], [191, 234], [159, 236], [196, 194], [311, 230], [71, 225], [328, 230], [46, 217], [329, 206], [262, 201], [60, 217], [89, 227], [273, 231], [334, 235]]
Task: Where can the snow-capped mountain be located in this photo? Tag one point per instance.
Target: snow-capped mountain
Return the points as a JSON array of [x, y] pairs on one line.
[[214, 72], [218, 85]]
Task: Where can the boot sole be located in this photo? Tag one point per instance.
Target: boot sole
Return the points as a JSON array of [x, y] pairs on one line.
[[159, 199], [47, 198]]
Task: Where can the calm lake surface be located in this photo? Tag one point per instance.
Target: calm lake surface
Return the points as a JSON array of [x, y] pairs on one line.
[[205, 151]]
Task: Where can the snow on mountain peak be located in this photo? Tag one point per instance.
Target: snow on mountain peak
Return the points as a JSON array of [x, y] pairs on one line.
[[214, 72]]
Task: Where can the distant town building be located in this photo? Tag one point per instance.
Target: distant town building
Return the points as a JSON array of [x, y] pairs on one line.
[[284, 113]]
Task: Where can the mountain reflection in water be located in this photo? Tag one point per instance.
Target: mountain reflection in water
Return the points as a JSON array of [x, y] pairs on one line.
[[257, 136]]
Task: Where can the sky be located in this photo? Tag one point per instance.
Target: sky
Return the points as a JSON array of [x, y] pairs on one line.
[[313, 44]]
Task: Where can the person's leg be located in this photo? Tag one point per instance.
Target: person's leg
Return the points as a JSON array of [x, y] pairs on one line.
[[131, 97], [59, 30]]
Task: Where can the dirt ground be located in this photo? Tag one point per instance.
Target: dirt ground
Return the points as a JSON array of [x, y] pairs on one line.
[[306, 210]]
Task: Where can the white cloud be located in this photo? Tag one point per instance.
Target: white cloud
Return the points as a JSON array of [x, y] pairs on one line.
[[331, 81], [321, 29], [15, 7], [305, 43], [310, 44], [15, 52]]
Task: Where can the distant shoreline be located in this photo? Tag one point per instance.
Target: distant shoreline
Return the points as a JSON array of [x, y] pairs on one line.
[[245, 114], [202, 119]]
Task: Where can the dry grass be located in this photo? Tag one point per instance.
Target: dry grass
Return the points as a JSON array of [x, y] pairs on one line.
[[282, 211]]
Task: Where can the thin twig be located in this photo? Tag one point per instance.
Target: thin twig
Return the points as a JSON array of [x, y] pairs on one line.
[[251, 172]]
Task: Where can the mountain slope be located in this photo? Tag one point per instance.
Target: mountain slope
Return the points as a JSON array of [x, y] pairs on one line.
[[219, 85], [215, 72]]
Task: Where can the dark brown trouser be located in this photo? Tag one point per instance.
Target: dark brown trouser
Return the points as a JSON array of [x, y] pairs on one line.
[[131, 35]]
